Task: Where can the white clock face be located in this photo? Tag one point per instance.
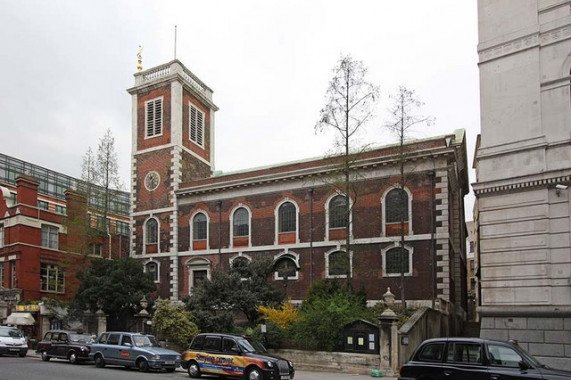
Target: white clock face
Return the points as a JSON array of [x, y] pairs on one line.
[[152, 180]]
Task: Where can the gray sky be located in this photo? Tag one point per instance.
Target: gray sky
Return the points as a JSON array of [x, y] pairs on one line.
[[66, 65]]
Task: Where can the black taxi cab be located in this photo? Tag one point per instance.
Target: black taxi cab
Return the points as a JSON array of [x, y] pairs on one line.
[[67, 345], [233, 356]]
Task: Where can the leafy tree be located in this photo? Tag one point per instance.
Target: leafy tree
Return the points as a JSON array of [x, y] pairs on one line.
[[350, 101], [174, 323], [403, 119], [114, 286], [328, 308], [242, 290]]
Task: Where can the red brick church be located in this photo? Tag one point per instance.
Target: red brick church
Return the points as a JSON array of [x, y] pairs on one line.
[[189, 220]]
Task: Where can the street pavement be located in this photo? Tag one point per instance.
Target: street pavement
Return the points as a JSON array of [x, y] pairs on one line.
[[299, 375], [311, 375]]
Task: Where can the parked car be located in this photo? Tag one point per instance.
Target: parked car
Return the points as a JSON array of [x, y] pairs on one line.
[[232, 355], [475, 359], [67, 345], [132, 350], [12, 342]]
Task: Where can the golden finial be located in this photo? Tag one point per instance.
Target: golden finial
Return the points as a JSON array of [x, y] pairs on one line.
[[140, 59]]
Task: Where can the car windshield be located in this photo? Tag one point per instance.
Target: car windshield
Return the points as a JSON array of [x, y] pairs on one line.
[[11, 333], [251, 346], [81, 338], [142, 341]]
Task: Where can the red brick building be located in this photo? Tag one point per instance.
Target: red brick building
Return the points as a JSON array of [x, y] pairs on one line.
[[189, 220], [48, 232]]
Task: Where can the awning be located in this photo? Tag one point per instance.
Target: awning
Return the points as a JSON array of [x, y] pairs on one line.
[[20, 319]]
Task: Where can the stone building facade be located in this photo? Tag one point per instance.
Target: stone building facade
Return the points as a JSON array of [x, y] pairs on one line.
[[189, 220], [523, 173]]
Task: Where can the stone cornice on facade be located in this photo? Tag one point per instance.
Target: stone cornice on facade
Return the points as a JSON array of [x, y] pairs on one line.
[[517, 184], [519, 41], [384, 156], [524, 311], [173, 71]]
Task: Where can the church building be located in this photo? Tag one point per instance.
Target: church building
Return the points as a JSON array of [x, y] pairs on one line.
[[189, 220]]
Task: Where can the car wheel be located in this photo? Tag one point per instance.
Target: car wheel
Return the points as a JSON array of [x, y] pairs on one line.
[[45, 356], [99, 361], [72, 357], [193, 369], [254, 374], [143, 365]]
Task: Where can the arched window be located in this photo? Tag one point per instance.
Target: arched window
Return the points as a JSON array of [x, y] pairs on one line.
[[338, 213], [153, 269], [286, 266], [241, 222], [287, 218], [240, 262], [338, 264], [241, 265], [151, 231], [397, 260], [396, 209], [199, 227]]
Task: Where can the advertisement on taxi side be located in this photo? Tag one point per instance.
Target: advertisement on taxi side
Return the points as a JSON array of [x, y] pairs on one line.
[[221, 364]]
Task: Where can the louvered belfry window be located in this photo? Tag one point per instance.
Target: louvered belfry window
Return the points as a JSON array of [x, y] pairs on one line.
[[154, 117], [196, 125]]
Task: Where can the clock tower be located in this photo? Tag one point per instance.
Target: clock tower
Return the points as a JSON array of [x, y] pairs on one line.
[[172, 143]]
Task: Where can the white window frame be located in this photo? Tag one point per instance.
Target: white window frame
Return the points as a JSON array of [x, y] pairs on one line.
[[96, 249], [145, 243], [147, 103], [328, 253], [239, 255], [384, 260], [199, 126], [197, 264], [1, 237], [191, 222], [1, 274], [277, 220], [49, 243], [45, 285], [327, 215], [293, 257], [384, 209], [249, 225], [157, 278]]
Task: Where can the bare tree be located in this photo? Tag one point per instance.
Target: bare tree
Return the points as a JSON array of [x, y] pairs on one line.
[[102, 169], [350, 101], [402, 121]]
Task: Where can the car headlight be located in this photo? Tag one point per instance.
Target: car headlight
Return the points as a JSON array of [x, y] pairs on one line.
[[270, 364], [83, 348], [178, 357], [290, 364], [155, 357]]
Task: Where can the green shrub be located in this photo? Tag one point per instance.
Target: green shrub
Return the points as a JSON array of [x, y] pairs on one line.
[[273, 338], [174, 323]]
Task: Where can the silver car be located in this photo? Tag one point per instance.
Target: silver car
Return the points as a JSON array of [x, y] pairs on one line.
[[132, 350], [12, 342]]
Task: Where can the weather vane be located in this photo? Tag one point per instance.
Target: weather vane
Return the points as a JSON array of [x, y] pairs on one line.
[[140, 59]]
